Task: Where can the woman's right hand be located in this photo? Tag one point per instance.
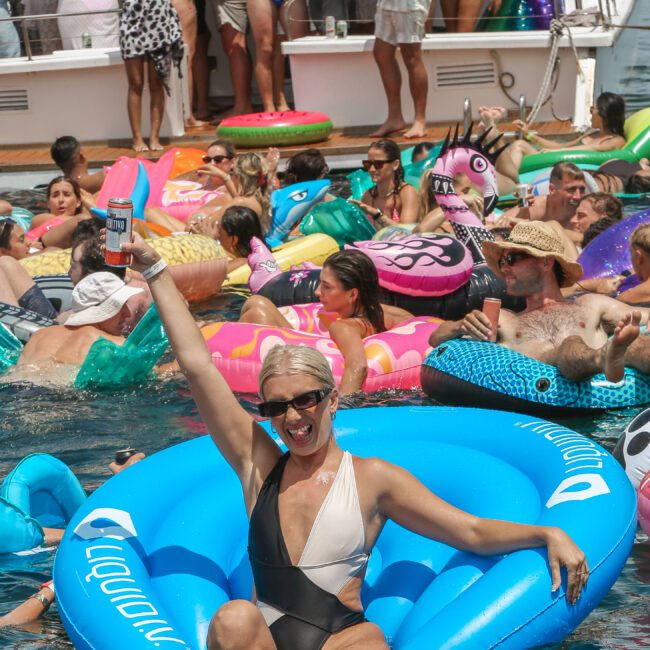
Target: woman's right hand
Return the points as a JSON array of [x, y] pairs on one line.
[[143, 254], [368, 209]]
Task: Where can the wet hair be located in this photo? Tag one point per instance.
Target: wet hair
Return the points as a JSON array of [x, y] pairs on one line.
[[64, 151], [638, 184], [420, 149], [562, 169], [92, 258], [596, 228], [641, 237], [611, 108], [226, 145], [252, 171], [296, 360], [308, 165], [605, 204], [392, 152], [355, 270], [66, 179], [6, 228], [86, 229], [243, 223]]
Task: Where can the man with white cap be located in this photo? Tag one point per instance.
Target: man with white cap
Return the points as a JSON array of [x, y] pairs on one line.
[[100, 308], [569, 334]]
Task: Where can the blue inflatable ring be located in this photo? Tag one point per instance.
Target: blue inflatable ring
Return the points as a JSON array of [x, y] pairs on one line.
[[464, 372], [155, 551]]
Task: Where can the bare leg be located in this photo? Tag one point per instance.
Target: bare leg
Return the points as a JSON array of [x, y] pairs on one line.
[[14, 280], [260, 310], [468, 13], [135, 77], [239, 625], [201, 72], [262, 15], [279, 98], [391, 78], [418, 85], [239, 60], [156, 106]]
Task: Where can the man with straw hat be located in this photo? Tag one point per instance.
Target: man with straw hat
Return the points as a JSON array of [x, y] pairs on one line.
[[570, 334]]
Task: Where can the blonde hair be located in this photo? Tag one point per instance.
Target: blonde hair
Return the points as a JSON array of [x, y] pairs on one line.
[[296, 360], [252, 171], [426, 198], [641, 237]]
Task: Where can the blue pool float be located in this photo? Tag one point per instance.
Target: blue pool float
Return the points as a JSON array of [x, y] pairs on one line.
[[155, 551], [41, 491], [464, 372]]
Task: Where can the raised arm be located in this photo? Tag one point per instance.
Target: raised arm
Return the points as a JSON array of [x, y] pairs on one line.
[[405, 500], [244, 444]]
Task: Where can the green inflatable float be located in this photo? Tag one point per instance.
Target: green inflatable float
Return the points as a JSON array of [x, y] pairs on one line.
[[343, 221]]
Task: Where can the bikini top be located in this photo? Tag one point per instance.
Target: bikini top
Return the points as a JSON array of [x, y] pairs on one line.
[[622, 169], [394, 193], [333, 554]]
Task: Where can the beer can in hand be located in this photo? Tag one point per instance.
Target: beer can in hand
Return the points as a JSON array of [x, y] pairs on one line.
[[330, 27], [491, 308], [522, 194], [119, 229]]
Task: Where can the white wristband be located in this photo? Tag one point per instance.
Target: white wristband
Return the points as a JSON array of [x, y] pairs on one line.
[[154, 269]]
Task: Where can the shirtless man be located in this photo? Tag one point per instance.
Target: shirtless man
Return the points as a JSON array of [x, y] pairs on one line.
[[66, 152], [571, 335], [100, 308]]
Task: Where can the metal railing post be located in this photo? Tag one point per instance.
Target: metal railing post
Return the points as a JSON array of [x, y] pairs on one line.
[[28, 45], [522, 113], [467, 114]]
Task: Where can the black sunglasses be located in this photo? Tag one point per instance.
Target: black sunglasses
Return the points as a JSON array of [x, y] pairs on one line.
[[377, 164], [299, 402], [510, 259], [216, 159]]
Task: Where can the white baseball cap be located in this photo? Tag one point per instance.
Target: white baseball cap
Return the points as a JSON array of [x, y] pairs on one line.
[[98, 297]]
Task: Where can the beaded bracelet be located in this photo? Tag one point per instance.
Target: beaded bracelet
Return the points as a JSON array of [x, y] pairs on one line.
[[42, 599], [154, 269]]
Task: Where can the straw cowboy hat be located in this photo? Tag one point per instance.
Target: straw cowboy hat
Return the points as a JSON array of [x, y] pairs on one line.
[[98, 297], [535, 238]]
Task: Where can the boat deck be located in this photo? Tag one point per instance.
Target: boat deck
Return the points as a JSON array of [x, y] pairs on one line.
[[349, 142]]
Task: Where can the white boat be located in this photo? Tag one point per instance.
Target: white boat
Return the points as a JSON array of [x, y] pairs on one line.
[[83, 91]]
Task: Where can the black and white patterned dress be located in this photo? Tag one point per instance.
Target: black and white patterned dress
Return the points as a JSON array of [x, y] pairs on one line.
[[151, 28]]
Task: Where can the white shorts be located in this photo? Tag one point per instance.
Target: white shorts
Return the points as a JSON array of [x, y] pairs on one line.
[[400, 27]]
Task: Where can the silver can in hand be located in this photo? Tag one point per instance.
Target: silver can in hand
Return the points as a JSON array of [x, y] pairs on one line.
[[522, 195]]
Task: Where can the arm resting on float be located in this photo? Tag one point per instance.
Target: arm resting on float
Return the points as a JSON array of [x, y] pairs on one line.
[[405, 500], [554, 144]]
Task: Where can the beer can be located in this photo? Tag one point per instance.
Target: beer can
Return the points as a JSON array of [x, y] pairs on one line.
[[491, 308], [341, 29], [330, 27], [119, 228], [86, 40], [522, 194], [122, 455]]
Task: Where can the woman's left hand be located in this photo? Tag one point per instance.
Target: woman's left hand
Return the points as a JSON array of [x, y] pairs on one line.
[[562, 551], [273, 158], [211, 170], [475, 203]]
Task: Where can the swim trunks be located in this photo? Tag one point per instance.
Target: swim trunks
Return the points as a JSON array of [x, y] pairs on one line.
[[34, 300], [400, 22], [231, 12]]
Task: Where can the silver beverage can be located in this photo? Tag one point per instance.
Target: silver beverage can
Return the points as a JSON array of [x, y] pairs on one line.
[[119, 229], [341, 29], [330, 27], [522, 194], [86, 40]]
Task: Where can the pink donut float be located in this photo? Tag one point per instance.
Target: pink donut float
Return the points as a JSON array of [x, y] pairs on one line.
[[427, 265], [643, 501], [394, 357]]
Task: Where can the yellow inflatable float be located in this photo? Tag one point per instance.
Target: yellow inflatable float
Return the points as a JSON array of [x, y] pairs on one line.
[[197, 263]]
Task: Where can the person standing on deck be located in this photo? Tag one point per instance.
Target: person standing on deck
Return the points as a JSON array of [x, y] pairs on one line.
[[401, 23]]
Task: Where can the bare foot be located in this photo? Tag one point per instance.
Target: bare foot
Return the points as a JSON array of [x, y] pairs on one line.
[[154, 145], [193, 123], [626, 332], [388, 127], [417, 130], [139, 146]]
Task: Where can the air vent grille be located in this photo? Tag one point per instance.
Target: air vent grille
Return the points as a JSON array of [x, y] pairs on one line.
[[470, 74], [13, 100]]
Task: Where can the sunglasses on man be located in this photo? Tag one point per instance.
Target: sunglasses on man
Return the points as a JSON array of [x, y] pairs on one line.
[[215, 159], [510, 259], [299, 403]]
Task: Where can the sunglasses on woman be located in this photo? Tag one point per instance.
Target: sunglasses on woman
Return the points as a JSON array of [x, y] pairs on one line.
[[377, 164], [215, 159], [510, 259], [299, 403]]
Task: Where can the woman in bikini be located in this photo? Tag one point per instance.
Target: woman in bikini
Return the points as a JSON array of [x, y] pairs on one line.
[[317, 505], [390, 200]]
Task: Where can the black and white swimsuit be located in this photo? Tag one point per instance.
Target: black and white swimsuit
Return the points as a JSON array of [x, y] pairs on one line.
[[300, 603]]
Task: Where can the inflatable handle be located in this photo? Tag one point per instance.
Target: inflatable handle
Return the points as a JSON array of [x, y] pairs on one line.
[[139, 195], [263, 266]]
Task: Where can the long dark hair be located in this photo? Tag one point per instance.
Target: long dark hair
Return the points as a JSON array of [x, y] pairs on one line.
[[243, 223], [392, 152], [66, 179], [355, 270], [611, 108], [6, 228], [308, 165]]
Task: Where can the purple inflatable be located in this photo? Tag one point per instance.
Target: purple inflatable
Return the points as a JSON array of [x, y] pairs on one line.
[[609, 253], [544, 12]]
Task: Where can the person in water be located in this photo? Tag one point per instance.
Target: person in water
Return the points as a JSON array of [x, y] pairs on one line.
[[569, 334], [640, 254], [237, 232], [316, 511], [70, 158], [390, 200], [349, 286]]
